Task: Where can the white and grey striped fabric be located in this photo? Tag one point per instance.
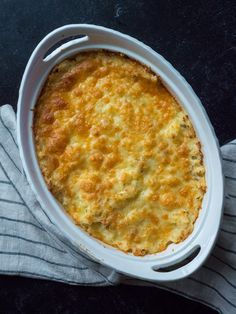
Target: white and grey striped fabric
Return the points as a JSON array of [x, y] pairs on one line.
[[32, 246]]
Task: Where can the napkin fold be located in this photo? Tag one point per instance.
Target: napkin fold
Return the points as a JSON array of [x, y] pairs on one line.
[[32, 246]]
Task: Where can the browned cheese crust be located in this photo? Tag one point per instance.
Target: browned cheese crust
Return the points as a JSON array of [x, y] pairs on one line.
[[119, 153]]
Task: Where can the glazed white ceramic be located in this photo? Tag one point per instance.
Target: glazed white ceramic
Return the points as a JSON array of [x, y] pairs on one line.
[[207, 224]]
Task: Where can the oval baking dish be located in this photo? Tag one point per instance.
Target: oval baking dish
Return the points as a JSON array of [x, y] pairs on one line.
[[178, 260]]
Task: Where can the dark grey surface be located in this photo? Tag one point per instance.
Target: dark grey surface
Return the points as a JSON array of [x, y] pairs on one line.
[[198, 38]]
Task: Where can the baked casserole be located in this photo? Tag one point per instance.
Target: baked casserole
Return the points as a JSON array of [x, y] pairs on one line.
[[118, 152]]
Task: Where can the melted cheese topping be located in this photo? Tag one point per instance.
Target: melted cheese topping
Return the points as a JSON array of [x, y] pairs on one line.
[[119, 153]]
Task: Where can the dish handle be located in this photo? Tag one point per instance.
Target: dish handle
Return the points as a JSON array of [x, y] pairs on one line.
[[180, 268], [183, 266], [62, 38]]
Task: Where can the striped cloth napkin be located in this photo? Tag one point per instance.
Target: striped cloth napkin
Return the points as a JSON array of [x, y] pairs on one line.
[[32, 246]]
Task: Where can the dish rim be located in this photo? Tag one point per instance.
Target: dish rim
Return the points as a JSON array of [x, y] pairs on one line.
[[141, 267]]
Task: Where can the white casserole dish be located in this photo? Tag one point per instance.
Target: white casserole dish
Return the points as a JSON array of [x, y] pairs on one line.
[[203, 237]]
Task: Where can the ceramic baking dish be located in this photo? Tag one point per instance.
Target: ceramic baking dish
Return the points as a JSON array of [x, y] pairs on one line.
[[178, 260]]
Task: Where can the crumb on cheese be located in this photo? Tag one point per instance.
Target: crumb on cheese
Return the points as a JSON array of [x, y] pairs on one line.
[[119, 153]]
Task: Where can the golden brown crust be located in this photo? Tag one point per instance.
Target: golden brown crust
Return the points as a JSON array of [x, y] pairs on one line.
[[119, 153]]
